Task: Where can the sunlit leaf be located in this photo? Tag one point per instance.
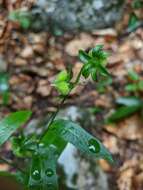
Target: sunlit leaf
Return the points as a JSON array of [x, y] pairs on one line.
[[133, 75], [131, 87], [62, 76], [62, 87]]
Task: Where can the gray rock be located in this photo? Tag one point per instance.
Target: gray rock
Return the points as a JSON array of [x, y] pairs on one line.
[[74, 15]]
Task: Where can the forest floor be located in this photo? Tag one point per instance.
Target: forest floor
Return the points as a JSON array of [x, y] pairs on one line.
[[32, 61]]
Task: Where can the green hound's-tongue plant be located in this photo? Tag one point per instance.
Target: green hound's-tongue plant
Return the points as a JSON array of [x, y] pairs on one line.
[[41, 152]]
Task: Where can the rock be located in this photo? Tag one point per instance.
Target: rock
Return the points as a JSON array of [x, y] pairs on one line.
[[67, 15]]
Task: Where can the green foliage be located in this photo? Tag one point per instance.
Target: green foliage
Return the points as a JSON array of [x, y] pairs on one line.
[[22, 17], [42, 173], [128, 106], [23, 146], [62, 82], [136, 85], [133, 22], [41, 152], [133, 75], [137, 4], [11, 123], [4, 87], [94, 62]]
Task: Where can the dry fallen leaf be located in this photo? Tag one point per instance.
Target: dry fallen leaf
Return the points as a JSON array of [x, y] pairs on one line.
[[83, 42], [130, 129], [44, 88]]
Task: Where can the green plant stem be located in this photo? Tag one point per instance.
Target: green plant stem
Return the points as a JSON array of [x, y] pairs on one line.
[[10, 164], [53, 116], [57, 110], [78, 77]]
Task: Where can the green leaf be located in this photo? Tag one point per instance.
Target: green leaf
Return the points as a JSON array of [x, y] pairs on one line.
[[103, 70], [23, 17], [25, 23], [43, 169], [94, 51], [73, 133], [35, 177], [133, 22], [94, 74], [133, 75], [23, 146], [9, 124], [140, 85], [137, 4], [131, 87], [62, 76], [123, 112], [95, 62], [129, 101], [86, 70], [84, 57], [62, 82], [62, 87], [51, 138]]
